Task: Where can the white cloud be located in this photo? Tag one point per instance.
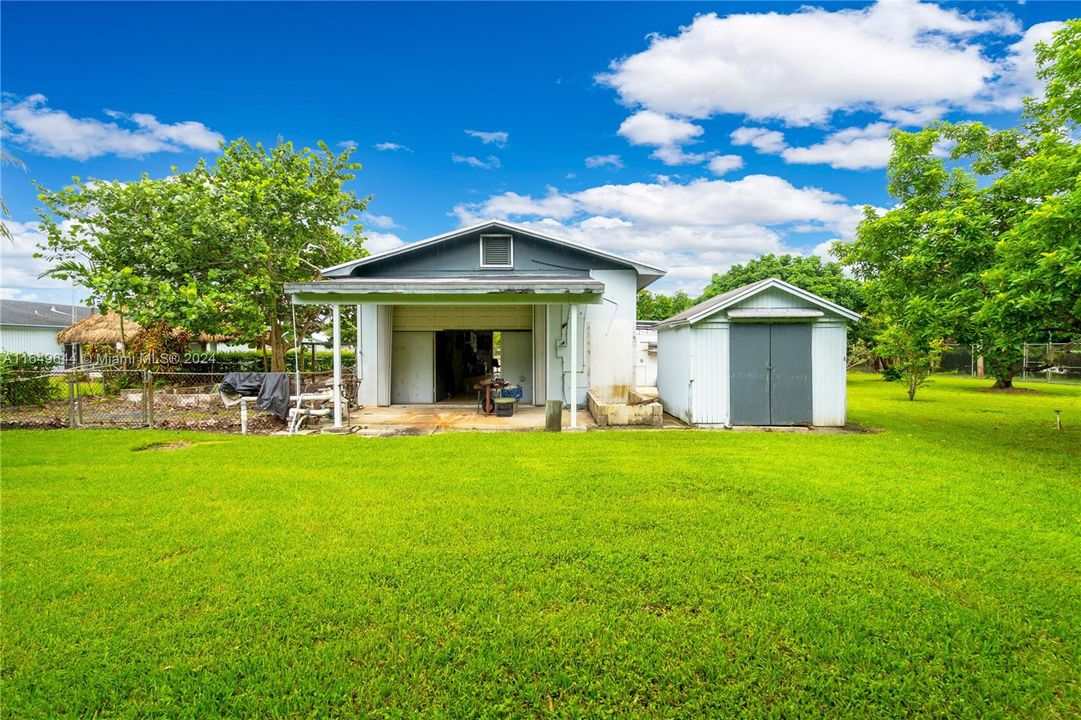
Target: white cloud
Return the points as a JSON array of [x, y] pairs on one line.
[[30, 123], [380, 221], [390, 147], [1017, 78], [801, 67], [667, 134], [490, 163], [512, 204], [761, 139], [851, 149], [824, 250], [675, 155], [19, 269], [496, 137], [722, 164], [347, 144], [652, 128], [378, 242], [692, 229], [598, 161]]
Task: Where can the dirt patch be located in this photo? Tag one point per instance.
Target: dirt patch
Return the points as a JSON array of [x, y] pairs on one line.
[[162, 446], [861, 430], [1008, 391]]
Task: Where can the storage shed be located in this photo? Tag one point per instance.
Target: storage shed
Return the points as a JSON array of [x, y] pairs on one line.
[[768, 353]]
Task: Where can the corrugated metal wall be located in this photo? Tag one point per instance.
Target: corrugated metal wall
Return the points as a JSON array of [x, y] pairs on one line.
[[711, 373], [673, 371], [30, 340], [774, 298], [829, 354], [463, 317]]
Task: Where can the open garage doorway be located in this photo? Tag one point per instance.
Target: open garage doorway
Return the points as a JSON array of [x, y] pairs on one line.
[[465, 357]]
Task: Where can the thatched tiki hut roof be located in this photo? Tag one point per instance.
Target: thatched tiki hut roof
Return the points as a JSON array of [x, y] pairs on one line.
[[104, 329]]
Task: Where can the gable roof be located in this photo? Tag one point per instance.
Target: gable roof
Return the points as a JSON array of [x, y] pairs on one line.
[[646, 273], [717, 303], [40, 314]]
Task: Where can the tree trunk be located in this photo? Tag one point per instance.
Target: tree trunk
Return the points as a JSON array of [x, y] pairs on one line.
[[1004, 382], [277, 347], [912, 385]]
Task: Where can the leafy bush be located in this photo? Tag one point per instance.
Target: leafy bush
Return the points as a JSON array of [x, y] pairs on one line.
[[23, 380], [892, 373]]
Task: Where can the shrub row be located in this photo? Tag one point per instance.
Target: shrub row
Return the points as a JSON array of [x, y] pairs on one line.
[[22, 380], [252, 361]]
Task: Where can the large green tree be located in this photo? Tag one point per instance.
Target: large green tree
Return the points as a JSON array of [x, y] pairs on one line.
[[208, 250], [826, 279], [658, 306], [984, 244]]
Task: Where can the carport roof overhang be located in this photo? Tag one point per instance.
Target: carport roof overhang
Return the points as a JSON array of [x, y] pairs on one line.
[[448, 291]]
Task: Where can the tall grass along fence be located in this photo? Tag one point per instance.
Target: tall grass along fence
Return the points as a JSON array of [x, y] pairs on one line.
[[106, 397]]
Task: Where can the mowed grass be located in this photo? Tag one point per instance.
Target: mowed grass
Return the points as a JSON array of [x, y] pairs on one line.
[[930, 569]]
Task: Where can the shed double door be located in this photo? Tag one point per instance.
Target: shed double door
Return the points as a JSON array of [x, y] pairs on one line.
[[770, 381]]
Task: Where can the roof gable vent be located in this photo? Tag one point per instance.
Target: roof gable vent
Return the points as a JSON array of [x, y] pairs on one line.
[[496, 251]]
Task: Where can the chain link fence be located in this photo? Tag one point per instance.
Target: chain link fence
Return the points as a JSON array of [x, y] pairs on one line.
[[92, 397], [1043, 362], [1052, 362]]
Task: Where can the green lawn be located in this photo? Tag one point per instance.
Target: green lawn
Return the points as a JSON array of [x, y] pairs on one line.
[[930, 569]]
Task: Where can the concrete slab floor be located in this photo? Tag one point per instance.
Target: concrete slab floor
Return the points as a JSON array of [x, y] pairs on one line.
[[430, 419]]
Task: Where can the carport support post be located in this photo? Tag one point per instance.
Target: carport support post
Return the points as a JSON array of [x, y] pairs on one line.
[[337, 316], [574, 365], [358, 354]]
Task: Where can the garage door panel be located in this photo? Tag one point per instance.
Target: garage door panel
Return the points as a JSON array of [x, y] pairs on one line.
[[463, 317], [790, 375], [412, 368], [749, 350]]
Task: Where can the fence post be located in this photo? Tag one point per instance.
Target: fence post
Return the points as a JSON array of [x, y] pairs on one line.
[[71, 401], [148, 397], [1050, 358], [1024, 363]]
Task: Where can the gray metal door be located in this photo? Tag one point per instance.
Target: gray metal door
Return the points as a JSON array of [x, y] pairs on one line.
[[770, 368], [790, 374], [749, 368]]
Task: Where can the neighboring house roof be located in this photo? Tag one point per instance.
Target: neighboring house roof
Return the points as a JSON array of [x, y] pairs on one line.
[[718, 303], [646, 273], [38, 314]]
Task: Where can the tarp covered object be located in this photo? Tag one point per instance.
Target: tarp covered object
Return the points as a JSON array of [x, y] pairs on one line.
[[270, 390]]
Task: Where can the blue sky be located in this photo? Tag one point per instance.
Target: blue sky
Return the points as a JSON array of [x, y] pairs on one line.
[[687, 135]]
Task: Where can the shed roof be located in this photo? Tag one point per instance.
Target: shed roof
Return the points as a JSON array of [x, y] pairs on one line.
[[40, 314], [646, 273], [717, 303], [450, 289]]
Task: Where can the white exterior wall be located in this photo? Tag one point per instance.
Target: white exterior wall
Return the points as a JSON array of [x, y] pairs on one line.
[[384, 335], [710, 374], [540, 354], [30, 340], [673, 371], [610, 328], [559, 366], [829, 356], [774, 298], [367, 353], [645, 362]]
